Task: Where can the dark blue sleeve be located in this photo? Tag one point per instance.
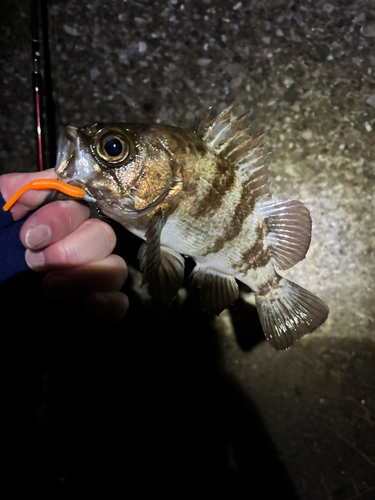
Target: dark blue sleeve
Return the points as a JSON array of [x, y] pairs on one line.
[[12, 252]]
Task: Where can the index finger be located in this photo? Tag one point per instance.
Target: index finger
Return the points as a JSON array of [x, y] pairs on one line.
[[10, 183]]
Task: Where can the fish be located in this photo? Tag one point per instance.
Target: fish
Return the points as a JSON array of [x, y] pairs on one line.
[[203, 194]]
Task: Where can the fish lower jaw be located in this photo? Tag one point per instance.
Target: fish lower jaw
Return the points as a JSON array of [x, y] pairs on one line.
[[116, 210], [117, 214]]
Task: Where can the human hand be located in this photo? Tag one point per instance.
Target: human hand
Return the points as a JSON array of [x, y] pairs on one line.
[[74, 251]]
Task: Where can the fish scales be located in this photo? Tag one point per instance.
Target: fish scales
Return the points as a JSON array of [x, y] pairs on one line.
[[203, 195]]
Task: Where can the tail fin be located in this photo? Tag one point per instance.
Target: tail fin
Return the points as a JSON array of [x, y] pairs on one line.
[[288, 312]]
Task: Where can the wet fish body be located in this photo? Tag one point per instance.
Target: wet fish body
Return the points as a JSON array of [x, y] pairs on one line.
[[204, 195]]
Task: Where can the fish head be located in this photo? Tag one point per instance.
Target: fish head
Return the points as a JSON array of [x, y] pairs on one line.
[[128, 168]]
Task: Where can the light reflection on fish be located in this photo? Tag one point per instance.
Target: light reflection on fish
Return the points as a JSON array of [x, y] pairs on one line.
[[204, 195]]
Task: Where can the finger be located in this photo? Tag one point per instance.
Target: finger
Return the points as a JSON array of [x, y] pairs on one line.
[[52, 223], [110, 306], [78, 282], [92, 241], [11, 183]]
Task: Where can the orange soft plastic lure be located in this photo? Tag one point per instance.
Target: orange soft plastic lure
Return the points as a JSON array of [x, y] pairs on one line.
[[61, 186]]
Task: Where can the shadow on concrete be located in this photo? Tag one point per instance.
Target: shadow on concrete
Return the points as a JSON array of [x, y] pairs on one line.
[[101, 410]]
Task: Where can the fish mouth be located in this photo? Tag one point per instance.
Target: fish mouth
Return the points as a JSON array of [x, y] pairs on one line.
[[65, 147], [78, 183], [97, 196]]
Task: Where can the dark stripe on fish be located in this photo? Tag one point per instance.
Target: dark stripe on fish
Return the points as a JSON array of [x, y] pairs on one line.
[[187, 142], [180, 142], [272, 285], [201, 148], [256, 256], [222, 182], [244, 208]]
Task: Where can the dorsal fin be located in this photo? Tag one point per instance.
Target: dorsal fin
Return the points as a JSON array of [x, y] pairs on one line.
[[201, 126], [289, 230], [229, 135]]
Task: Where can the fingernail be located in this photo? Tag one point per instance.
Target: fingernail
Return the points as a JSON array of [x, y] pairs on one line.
[[38, 236], [35, 260]]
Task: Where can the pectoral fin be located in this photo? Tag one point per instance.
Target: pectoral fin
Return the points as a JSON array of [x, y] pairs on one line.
[[149, 253], [217, 291], [164, 279]]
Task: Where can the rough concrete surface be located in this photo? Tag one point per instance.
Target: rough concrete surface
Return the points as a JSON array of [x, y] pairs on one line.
[[309, 67]]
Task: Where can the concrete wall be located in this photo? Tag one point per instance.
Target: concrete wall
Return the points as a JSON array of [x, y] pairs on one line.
[[310, 70]]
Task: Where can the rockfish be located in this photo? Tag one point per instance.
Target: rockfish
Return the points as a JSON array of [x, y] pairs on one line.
[[204, 195]]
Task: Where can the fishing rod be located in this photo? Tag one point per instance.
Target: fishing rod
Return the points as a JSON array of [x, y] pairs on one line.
[[37, 80], [42, 93]]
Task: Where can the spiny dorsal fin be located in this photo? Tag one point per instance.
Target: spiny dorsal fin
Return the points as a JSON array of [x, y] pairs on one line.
[[201, 126], [289, 230], [229, 135], [257, 183]]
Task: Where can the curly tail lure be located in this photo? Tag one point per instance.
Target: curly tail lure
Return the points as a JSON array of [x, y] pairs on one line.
[[61, 186]]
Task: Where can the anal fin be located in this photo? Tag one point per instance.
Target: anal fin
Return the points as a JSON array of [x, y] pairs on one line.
[[217, 291], [287, 312], [289, 230]]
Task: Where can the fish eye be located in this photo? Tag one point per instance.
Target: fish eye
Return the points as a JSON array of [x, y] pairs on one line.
[[114, 147]]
